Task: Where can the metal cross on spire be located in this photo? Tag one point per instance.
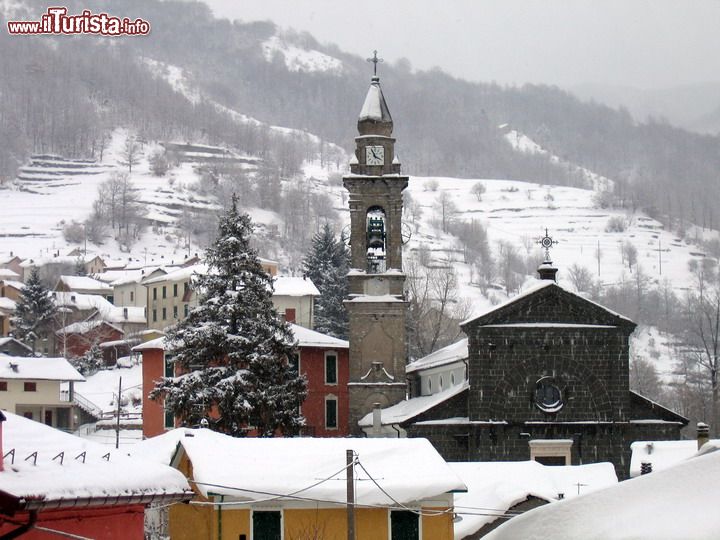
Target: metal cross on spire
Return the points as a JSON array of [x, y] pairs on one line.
[[375, 60], [547, 242]]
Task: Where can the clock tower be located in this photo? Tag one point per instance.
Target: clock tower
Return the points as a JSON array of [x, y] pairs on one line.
[[376, 304]]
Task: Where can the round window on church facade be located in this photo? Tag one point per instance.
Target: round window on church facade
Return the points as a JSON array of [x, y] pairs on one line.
[[548, 397]]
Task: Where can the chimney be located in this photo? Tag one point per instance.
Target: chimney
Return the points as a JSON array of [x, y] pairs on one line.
[[2, 452], [125, 313], [703, 434], [377, 418]]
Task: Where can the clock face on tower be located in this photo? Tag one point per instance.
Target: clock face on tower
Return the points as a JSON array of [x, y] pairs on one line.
[[375, 155]]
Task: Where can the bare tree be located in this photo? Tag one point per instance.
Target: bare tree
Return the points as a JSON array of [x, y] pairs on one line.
[[580, 277], [435, 309], [130, 153], [446, 210], [703, 336], [644, 379], [478, 190]]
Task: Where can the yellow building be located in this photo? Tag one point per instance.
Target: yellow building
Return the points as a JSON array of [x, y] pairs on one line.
[[296, 488]]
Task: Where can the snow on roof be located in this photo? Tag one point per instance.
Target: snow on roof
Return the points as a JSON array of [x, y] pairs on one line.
[[19, 285], [47, 369], [374, 107], [80, 472], [294, 286], [83, 327], [180, 274], [496, 487], [6, 273], [81, 301], [542, 284], [410, 408], [678, 502], [447, 355], [157, 343], [408, 469], [42, 261], [7, 304], [6, 340], [85, 283], [311, 338], [662, 454], [375, 298]]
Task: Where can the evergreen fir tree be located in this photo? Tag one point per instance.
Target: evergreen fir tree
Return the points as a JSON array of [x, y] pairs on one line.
[[233, 348], [34, 312], [327, 266]]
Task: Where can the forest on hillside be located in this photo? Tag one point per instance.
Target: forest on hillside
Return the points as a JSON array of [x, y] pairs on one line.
[[63, 95]]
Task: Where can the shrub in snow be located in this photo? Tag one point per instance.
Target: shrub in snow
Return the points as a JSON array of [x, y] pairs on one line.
[[615, 224], [35, 310]]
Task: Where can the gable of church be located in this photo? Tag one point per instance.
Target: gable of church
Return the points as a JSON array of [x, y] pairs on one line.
[[549, 303]]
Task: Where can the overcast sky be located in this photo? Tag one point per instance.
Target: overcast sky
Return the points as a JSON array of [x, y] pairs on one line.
[[640, 43]]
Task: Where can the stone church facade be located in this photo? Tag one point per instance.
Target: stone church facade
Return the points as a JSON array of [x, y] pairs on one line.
[[548, 375]]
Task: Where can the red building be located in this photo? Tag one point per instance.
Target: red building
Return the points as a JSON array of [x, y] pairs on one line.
[[76, 339], [53, 484], [322, 359]]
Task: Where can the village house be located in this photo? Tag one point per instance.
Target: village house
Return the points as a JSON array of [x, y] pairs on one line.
[[40, 389], [84, 285], [322, 359], [53, 484], [171, 295], [13, 347], [10, 291], [78, 338], [12, 263], [297, 487]]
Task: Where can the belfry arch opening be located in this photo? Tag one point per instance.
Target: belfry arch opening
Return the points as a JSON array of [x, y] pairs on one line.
[[376, 228]]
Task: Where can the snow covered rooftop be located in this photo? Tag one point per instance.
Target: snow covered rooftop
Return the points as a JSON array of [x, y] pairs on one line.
[[76, 283], [157, 343], [7, 340], [7, 304], [304, 336], [410, 408], [125, 314], [447, 355], [84, 327], [294, 286], [71, 471], [535, 287], [678, 502], [407, 469], [82, 302], [662, 454], [181, 274], [374, 107], [48, 369], [311, 338], [6, 273], [495, 487]]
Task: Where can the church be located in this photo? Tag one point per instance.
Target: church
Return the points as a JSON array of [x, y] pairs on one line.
[[542, 376]]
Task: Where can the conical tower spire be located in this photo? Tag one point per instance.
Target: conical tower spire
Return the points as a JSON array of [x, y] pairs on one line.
[[375, 116]]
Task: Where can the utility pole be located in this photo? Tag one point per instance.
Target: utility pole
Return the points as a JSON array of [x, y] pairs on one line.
[[660, 254], [349, 472], [117, 424]]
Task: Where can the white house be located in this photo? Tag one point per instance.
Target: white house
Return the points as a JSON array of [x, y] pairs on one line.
[[294, 298], [31, 387]]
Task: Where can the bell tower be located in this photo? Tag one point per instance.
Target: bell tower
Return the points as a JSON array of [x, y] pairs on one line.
[[376, 305]]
